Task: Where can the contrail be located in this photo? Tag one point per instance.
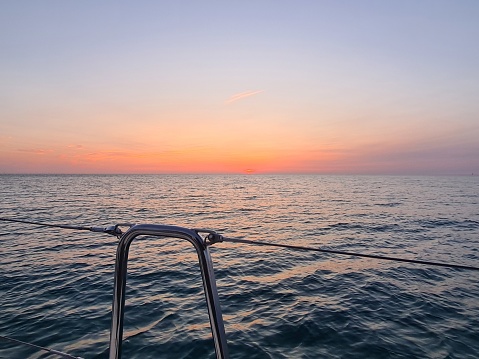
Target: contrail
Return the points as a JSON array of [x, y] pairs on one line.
[[241, 95]]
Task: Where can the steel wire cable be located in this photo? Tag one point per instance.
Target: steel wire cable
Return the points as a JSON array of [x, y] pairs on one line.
[[113, 230], [347, 253], [51, 351], [215, 238]]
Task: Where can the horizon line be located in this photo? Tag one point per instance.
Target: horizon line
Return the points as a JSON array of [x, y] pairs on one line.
[[470, 174]]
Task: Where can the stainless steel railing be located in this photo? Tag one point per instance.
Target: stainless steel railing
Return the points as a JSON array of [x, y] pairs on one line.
[[207, 273]]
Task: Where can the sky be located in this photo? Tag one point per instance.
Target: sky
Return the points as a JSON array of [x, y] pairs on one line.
[[327, 87]]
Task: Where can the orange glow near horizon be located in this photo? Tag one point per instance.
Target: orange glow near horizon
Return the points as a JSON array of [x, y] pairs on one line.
[[248, 136], [259, 154], [216, 158], [234, 153]]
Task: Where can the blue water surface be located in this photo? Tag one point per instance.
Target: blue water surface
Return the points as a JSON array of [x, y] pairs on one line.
[[56, 285]]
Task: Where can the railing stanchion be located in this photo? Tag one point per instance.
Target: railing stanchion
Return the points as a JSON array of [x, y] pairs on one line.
[[207, 273]]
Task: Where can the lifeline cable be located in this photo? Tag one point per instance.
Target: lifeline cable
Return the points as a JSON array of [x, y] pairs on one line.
[[215, 238], [333, 251], [52, 351], [113, 230]]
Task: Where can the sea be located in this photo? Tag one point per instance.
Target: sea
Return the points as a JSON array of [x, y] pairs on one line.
[[56, 285]]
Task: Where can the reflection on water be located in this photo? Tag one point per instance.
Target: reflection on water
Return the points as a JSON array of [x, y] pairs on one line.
[[56, 285]]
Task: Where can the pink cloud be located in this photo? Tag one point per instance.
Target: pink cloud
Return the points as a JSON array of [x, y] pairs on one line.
[[242, 95]]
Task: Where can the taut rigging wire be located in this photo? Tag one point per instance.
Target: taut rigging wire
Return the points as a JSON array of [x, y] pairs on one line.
[[113, 230], [353, 254], [215, 238], [51, 351]]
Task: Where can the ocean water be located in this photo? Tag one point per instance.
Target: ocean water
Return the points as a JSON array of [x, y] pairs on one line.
[[56, 285]]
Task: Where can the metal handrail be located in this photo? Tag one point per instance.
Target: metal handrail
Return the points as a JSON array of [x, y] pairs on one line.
[[207, 273]]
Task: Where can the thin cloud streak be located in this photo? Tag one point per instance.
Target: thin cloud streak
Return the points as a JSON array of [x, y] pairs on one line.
[[242, 95], [37, 151]]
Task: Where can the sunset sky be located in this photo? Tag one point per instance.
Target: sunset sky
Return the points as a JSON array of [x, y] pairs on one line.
[[360, 87]]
